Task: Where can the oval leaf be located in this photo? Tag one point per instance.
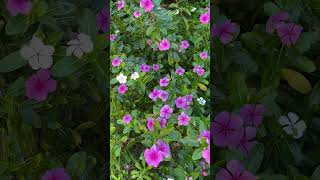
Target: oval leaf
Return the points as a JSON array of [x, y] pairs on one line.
[[11, 62], [297, 81], [65, 67]]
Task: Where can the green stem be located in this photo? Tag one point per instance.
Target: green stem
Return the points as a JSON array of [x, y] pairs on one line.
[[281, 50]]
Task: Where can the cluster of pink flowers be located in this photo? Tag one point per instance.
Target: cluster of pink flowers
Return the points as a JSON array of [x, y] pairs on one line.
[[205, 134], [238, 131], [184, 102], [157, 153], [199, 70], [161, 94]]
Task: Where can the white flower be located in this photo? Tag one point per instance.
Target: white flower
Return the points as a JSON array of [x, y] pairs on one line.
[[117, 31], [121, 78], [134, 75], [292, 125], [79, 46], [201, 101], [37, 54], [170, 179], [176, 12], [193, 9]]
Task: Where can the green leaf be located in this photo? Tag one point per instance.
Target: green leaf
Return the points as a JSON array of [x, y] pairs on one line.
[[87, 22], [304, 64], [179, 173], [297, 81], [77, 164], [197, 154], [306, 40], [61, 8], [190, 142], [254, 161], [270, 8], [316, 174], [150, 30], [11, 62], [314, 98], [17, 25], [17, 87], [202, 87], [272, 176], [85, 125], [66, 66]]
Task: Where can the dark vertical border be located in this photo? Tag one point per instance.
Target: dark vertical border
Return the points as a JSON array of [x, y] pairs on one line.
[[211, 89], [108, 96]]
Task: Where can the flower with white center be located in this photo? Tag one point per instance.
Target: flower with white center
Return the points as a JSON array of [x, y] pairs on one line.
[[193, 9], [79, 46], [134, 75], [121, 78], [37, 54], [201, 101], [292, 125]]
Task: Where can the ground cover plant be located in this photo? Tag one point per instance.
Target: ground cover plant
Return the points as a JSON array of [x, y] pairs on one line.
[[266, 90], [159, 89], [53, 84]]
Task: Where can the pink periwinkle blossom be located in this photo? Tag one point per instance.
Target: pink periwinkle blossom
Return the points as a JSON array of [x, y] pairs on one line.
[[166, 111], [203, 55], [150, 124], [144, 68], [56, 174], [205, 18], [112, 37], [184, 44], [225, 31], [122, 89], [234, 171], [164, 82], [136, 14], [154, 94], [181, 102], [102, 20], [199, 70], [204, 173], [252, 115], [247, 140], [155, 67], [164, 148], [289, 33], [206, 155], [164, 45], [162, 121], [180, 71], [16, 7], [163, 95], [275, 20], [183, 119], [206, 135], [153, 156], [39, 85], [147, 5], [126, 119], [116, 62], [120, 4]]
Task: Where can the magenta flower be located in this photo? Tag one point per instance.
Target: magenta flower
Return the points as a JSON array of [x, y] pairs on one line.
[[227, 128], [252, 115], [126, 119], [116, 62], [154, 94], [164, 45], [150, 124], [204, 55], [19, 6], [205, 134], [102, 20], [205, 18], [199, 70], [112, 37], [39, 85], [189, 98], [247, 141], [136, 14], [56, 174], [234, 171], [289, 33], [275, 20], [225, 31], [164, 148], [164, 82], [144, 68], [162, 121], [181, 102], [147, 5], [163, 95], [180, 71], [184, 44], [153, 156], [155, 67], [183, 119], [120, 4], [166, 111], [206, 155], [122, 89]]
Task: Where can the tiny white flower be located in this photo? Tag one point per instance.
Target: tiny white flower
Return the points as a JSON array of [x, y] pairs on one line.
[[176, 12], [170, 179], [193, 9], [134, 75], [117, 31], [201, 101], [292, 125], [37, 54], [79, 46], [121, 78]]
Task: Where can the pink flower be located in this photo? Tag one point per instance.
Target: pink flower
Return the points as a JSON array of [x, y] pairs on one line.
[[150, 124], [147, 5], [164, 148], [164, 45], [162, 121], [155, 67], [120, 4], [225, 31], [39, 85], [204, 55], [183, 119], [199, 70], [205, 134], [166, 111], [112, 37], [204, 173], [205, 18], [154, 94], [136, 14], [184, 44], [206, 155], [289, 33], [181, 102], [116, 62], [102, 20], [163, 95], [126, 119], [164, 82], [122, 88], [153, 156], [144, 68], [19, 6], [275, 20], [56, 174], [180, 71]]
